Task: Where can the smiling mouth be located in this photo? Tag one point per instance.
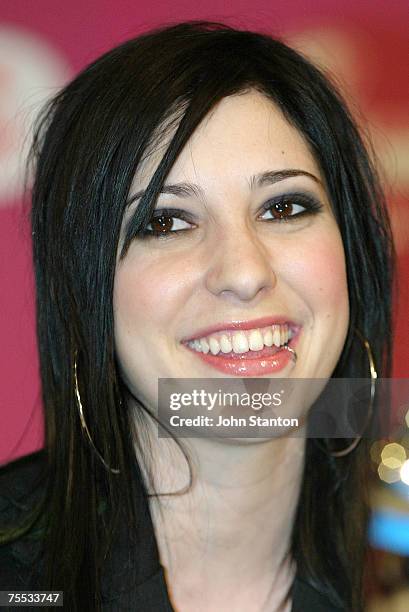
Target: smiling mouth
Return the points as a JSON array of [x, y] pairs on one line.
[[242, 344], [245, 351]]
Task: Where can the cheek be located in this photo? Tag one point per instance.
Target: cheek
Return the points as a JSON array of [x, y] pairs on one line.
[[147, 294], [319, 279], [319, 272], [328, 276]]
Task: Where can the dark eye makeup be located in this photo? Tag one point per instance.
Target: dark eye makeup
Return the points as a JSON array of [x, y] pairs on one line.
[[284, 208]]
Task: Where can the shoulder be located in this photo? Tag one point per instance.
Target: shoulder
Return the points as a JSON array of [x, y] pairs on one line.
[[306, 597], [22, 483], [18, 471]]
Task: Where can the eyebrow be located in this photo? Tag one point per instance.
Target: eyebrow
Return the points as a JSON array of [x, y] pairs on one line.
[[185, 190]]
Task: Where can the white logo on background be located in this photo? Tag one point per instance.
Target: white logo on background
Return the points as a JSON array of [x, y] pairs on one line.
[[30, 73]]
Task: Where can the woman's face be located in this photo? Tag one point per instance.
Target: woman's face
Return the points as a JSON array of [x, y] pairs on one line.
[[236, 277]]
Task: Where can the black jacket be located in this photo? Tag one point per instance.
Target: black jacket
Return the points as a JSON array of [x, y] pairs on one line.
[[18, 561]]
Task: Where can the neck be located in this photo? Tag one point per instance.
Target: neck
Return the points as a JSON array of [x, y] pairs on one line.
[[229, 533]]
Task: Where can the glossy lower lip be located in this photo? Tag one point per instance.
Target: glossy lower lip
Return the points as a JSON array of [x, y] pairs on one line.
[[248, 364], [244, 325]]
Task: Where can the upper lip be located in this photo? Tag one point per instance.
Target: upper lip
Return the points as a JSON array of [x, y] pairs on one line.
[[253, 324]]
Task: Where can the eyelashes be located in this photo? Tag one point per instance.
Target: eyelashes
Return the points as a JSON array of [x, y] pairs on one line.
[[287, 208]]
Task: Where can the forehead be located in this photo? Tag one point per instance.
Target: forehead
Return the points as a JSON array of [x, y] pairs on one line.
[[243, 135]]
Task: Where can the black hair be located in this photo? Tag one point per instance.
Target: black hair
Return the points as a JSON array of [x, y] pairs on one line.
[[88, 145]]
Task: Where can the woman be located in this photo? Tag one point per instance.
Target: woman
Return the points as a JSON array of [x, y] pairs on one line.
[[198, 189]]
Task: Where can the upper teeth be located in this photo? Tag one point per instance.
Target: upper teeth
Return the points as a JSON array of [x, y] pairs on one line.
[[243, 341]]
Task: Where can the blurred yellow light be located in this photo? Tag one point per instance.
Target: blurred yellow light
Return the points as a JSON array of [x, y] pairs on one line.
[[404, 472], [376, 450], [393, 463], [387, 474], [407, 418], [393, 455]]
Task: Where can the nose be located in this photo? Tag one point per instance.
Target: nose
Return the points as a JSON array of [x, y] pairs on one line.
[[240, 266]]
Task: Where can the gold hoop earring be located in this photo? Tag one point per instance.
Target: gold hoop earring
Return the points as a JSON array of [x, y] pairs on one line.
[[374, 376], [84, 425]]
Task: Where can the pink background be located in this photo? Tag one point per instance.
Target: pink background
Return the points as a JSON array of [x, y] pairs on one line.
[[364, 42]]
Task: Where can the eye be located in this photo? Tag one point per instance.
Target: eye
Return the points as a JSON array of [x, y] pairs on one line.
[[289, 207], [282, 210], [166, 222]]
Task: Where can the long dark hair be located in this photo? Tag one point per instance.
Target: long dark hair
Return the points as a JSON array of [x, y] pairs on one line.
[[88, 146]]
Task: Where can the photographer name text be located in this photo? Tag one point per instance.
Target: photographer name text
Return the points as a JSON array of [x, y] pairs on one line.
[[231, 421]]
